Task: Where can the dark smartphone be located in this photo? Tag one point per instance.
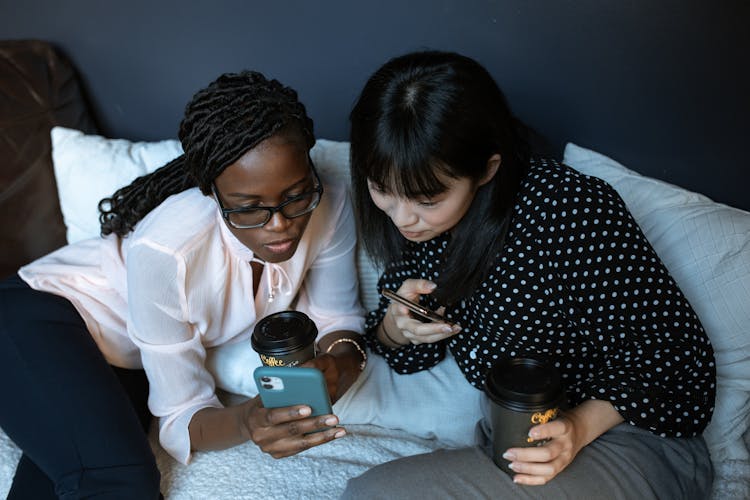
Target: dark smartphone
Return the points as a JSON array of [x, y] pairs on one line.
[[420, 311], [281, 386]]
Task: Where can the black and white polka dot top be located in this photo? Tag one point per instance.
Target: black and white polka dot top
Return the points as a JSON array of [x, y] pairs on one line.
[[576, 284]]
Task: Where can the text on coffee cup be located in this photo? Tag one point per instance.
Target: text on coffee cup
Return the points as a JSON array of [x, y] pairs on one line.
[[543, 418], [274, 361]]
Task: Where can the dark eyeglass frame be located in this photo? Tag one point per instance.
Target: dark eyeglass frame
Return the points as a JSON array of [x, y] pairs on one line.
[[225, 212]]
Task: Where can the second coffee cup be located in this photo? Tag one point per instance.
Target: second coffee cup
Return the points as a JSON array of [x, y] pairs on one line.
[[285, 338], [523, 392]]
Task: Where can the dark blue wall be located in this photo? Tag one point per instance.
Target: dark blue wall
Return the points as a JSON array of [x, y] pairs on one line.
[[661, 86]]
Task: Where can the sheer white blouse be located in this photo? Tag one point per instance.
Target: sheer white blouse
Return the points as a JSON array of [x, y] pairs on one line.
[[181, 283]]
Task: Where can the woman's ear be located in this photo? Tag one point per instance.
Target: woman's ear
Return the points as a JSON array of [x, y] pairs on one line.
[[493, 164]]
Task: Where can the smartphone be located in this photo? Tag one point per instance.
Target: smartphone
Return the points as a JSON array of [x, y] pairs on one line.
[[281, 386], [420, 311]]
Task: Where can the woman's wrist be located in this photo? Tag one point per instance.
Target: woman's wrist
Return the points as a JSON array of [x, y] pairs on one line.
[[214, 428], [350, 347], [345, 345], [390, 337], [592, 418], [245, 411]]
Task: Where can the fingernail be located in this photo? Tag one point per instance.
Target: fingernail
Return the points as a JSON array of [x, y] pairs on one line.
[[431, 286], [305, 411], [339, 434], [509, 455], [456, 328], [510, 466], [534, 435], [331, 421], [447, 329]]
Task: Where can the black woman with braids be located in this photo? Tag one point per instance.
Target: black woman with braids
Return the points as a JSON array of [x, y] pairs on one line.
[[190, 257]]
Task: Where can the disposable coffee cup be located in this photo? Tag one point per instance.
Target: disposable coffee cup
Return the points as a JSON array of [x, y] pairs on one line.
[[523, 393], [285, 338]]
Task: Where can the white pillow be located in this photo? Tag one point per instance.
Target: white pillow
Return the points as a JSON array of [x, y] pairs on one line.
[[438, 403], [331, 158], [90, 167], [706, 247]]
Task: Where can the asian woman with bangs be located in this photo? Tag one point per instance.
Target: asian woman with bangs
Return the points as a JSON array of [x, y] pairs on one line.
[[524, 257]]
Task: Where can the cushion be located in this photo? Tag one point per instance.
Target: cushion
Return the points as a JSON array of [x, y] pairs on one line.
[[38, 89], [91, 167], [706, 247], [331, 158]]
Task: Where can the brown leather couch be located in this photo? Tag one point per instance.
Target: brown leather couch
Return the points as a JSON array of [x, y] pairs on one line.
[[39, 89]]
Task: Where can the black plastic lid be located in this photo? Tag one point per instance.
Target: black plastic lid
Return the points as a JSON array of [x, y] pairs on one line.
[[524, 384], [283, 332]]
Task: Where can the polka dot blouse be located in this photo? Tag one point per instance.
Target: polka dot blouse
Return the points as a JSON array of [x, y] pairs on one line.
[[576, 284]]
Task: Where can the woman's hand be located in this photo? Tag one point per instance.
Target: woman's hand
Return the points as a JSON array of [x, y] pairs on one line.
[[402, 328], [567, 435], [538, 465], [278, 431], [282, 432], [339, 371]]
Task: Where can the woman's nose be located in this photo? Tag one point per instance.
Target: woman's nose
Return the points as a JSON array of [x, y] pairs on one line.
[[278, 222], [402, 215]]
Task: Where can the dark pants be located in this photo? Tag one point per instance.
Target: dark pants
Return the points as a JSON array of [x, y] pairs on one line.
[[71, 413]]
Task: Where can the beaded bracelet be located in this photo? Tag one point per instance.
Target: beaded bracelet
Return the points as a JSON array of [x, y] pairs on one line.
[[356, 345]]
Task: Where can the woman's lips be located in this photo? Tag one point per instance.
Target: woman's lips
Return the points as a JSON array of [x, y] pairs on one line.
[[411, 235], [281, 246]]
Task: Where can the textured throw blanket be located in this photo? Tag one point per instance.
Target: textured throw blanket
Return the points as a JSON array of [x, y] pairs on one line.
[[387, 416], [244, 472]]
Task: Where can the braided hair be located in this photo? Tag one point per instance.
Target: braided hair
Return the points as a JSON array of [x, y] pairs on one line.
[[222, 122]]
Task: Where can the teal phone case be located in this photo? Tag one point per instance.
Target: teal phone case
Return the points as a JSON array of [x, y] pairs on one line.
[[281, 386]]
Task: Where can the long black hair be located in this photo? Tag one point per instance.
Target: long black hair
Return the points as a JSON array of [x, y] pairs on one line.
[[222, 122], [436, 112]]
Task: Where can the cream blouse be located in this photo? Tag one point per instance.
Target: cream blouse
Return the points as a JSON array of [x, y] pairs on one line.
[[181, 283]]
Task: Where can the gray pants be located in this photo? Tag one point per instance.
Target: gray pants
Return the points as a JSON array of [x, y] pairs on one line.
[[624, 463]]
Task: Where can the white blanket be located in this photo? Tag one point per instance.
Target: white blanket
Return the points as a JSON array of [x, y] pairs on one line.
[[244, 472], [432, 409]]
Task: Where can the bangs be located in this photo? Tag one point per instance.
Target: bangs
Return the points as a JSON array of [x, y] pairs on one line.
[[407, 172]]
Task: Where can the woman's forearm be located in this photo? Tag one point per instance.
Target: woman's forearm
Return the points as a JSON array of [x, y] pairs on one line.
[[219, 428], [592, 418]]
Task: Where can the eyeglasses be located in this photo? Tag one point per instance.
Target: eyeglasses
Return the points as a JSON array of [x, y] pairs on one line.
[[252, 217]]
